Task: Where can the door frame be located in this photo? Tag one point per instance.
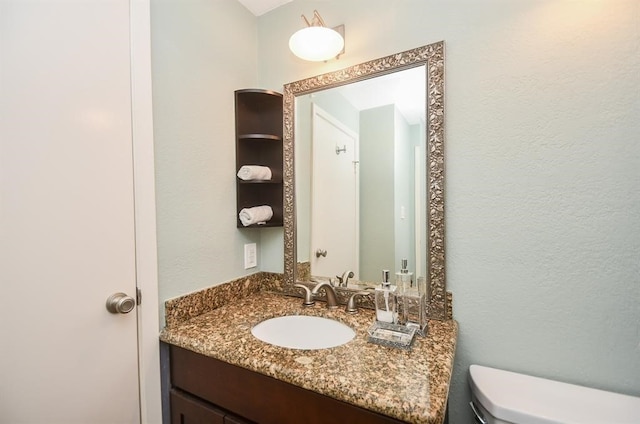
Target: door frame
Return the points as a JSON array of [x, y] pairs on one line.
[[145, 213]]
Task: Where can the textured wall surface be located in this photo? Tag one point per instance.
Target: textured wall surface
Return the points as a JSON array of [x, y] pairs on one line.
[[543, 170], [195, 72]]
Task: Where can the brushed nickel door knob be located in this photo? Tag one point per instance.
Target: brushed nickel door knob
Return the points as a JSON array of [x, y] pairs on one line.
[[120, 303]]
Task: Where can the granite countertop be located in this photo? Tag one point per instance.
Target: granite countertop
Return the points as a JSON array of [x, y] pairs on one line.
[[408, 385]]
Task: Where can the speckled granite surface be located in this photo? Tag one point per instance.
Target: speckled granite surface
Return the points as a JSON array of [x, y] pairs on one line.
[[194, 304], [408, 385]]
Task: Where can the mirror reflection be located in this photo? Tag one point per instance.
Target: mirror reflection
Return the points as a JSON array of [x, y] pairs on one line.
[[360, 178], [367, 177]]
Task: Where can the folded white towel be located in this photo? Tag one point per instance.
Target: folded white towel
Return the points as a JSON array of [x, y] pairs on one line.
[[255, 215], [254, 172]]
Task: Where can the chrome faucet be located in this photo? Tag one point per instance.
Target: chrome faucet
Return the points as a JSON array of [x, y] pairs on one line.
[[342, 281], [351, 304], [332, 301], [308, 296]]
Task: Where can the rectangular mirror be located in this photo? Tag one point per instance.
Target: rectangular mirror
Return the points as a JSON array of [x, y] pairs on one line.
[[364, 173]]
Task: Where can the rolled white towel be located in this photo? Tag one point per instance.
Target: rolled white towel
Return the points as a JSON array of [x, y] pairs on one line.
[[254, 172], [255, 215]]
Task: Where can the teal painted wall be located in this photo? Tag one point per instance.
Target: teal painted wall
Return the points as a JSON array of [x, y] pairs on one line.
[[195, 71]]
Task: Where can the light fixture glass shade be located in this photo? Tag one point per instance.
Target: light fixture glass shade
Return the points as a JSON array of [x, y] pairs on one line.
[[316, 43]]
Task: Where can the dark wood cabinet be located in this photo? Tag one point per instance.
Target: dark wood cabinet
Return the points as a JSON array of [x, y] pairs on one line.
[[259, 142], [245, 396], [230, 419], [187, 409]]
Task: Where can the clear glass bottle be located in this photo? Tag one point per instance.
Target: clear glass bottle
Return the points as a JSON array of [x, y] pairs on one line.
[[404, 278], [385, 300], [414, 307]]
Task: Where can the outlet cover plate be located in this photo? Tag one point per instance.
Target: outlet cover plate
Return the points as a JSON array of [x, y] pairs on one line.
[[250, 255]]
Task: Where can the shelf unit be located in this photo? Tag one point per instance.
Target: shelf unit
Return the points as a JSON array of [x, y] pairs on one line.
[[259, 142]]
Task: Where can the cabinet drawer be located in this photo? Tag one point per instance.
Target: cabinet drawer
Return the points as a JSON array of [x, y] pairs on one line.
[[258, 397], [186, 409]]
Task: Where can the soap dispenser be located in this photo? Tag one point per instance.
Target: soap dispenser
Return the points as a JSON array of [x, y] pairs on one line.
[[412, 307], [385, 300], [404, 278]]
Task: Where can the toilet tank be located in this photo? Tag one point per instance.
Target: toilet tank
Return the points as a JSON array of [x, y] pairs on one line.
[[506, 397]]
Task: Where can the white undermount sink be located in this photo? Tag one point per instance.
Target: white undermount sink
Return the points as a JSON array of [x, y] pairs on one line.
[[303, 332]]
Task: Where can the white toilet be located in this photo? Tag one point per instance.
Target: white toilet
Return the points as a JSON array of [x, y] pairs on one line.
[[503, 397]]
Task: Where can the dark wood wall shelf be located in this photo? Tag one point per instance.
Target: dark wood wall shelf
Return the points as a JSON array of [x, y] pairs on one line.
[[266, 137], [259, 142], [271, 181]]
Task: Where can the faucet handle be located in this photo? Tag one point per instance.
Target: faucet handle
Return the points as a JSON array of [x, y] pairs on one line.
[[308, 296], [344, 279], [351, 304]]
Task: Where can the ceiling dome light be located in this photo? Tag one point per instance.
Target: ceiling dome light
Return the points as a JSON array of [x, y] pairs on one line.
[[316, 42]]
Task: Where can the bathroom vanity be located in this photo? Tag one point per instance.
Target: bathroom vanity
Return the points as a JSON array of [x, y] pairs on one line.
[[222, 373], [231, 393]]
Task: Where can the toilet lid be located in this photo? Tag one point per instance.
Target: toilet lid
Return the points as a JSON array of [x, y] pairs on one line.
[[521, 398]]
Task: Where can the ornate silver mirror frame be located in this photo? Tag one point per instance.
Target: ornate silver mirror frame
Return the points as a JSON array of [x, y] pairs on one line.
[[431, 57]]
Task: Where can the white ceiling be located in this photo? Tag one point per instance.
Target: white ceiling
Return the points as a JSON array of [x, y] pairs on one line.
[[260, 7]]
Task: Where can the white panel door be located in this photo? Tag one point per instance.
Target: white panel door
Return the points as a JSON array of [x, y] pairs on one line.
[[334, 197], [66, 213]]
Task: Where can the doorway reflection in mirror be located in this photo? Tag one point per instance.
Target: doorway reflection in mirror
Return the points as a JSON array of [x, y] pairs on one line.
[[360, 176]]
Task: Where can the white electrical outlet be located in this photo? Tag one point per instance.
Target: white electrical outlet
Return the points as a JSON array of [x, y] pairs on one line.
[[250, 256]]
